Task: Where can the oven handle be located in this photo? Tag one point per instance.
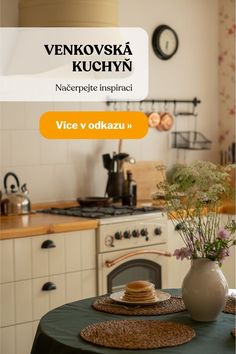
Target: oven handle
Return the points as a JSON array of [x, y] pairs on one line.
[[131, 254]]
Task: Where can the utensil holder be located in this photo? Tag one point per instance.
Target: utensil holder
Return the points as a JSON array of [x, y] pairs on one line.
[[115, 185]]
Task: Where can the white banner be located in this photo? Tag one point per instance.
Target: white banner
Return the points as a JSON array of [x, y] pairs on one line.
[[73, 64]]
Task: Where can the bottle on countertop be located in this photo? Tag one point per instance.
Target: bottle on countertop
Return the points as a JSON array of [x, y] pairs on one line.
[[129, 192]]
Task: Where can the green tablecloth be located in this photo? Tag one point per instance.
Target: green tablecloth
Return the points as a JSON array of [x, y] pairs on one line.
[[58, 332]]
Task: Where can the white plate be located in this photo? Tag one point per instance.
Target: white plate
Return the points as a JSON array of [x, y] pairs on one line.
[[161, 296]]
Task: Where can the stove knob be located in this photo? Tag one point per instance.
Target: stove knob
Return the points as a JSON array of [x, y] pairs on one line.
[[118, 236], [144, 232], [158, 231], [127, 234], [135, 233]]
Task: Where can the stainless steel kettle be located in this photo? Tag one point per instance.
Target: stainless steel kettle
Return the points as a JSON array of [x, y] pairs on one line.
[[15, 200]]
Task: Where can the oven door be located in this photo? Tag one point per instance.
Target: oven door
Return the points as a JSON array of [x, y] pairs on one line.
[[115, 269]]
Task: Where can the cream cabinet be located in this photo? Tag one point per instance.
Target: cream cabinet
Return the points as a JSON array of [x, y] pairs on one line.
[[38, 274]]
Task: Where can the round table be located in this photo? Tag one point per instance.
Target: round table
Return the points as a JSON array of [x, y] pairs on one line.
[[59, 331]]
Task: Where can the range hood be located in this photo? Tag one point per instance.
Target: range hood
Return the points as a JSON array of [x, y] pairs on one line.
[[68, 13]]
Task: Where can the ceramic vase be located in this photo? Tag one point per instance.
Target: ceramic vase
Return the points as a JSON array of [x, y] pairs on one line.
[[204, 290]]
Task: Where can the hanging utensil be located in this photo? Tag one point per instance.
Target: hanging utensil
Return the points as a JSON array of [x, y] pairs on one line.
[[167, 120]]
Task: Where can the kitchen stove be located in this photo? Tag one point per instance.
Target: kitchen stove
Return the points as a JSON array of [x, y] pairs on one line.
[[101, 212], [131, 244]]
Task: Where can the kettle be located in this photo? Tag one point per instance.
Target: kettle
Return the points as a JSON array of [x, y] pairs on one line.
[[15, 200]]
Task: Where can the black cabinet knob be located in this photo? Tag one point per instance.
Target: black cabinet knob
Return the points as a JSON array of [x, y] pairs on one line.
[[48, 244], [49, 286]]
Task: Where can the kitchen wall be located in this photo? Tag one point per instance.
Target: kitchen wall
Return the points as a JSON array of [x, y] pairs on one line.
[[227, 111], [56, 170]]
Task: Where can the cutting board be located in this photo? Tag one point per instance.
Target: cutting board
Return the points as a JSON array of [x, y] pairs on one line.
[[147, 175]]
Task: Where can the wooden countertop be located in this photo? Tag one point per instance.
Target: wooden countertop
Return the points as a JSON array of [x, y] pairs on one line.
[[39, 224]]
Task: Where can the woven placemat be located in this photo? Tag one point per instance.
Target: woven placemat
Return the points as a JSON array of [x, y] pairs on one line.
[[137, 334], [105, 304], [230, 306]]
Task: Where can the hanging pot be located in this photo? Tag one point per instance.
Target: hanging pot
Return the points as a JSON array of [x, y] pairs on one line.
[[154, 120], [166, 122], [204, 290]]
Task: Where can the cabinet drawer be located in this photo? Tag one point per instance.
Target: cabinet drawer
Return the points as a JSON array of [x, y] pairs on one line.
[[23, 301], [22, 258], [52, 296], [48, 256], [6, 261]]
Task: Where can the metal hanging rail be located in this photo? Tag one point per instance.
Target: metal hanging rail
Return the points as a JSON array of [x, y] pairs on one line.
[[195, 101]]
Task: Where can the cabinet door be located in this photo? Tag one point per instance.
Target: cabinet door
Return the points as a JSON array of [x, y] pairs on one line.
[[23, 301], [7, 308], [22, 254], [7, 340], [6, 261]]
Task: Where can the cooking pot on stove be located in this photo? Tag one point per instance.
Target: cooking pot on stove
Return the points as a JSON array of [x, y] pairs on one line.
[[94, 201], [15, 200]]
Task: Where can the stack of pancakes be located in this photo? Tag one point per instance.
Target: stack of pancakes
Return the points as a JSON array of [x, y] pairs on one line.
[[139, 291]]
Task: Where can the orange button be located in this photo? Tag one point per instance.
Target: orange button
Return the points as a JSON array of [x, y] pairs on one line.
[[93, 125]]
